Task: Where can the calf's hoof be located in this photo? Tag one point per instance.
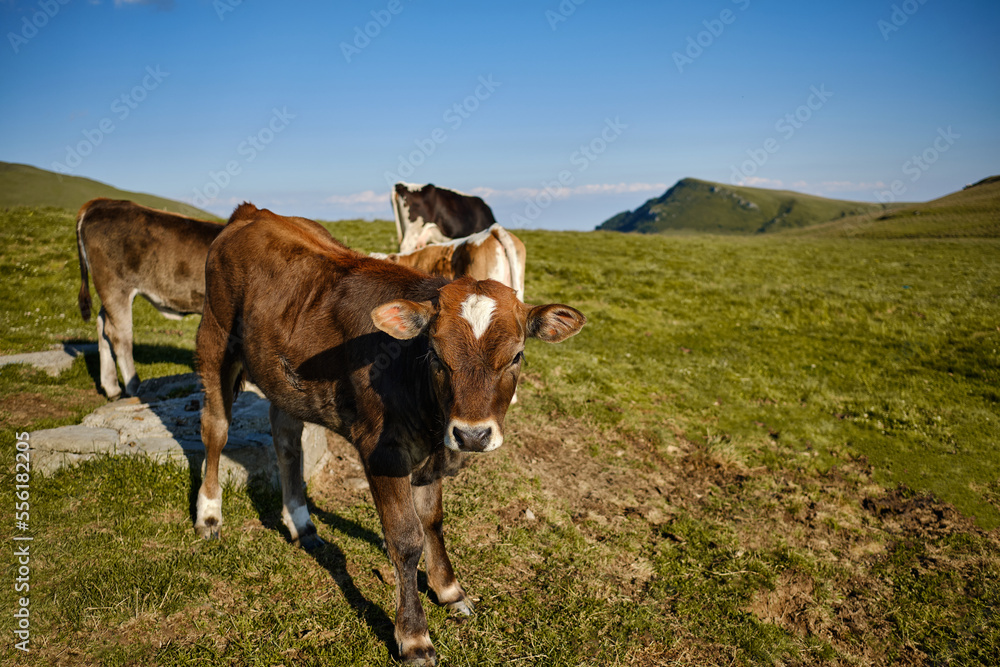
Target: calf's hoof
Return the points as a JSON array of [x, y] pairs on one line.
[[422, 657], [132, 388], [462, 607], [309, 542], [417, 650], [454, 599], [208, 531]]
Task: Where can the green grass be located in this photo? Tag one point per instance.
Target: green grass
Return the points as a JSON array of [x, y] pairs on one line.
[[972, 212], [887, 350], [707, 463], [703, 206], [24, 185]]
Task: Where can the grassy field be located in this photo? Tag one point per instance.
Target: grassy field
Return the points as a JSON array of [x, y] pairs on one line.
[[760, 450]]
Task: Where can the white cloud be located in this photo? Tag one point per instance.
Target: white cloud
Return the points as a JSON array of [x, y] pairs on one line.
[[366, 201], [567, 192], [161, 4], [848, 186], [365, 197], [758, 182], [822, 188]]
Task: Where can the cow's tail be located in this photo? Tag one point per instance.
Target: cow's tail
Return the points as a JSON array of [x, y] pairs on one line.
[[516, 270], [84, 297]]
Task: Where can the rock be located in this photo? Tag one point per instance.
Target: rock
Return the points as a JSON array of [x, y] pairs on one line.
[[53, 361], [56, 447], [161, 424], [356, 484]]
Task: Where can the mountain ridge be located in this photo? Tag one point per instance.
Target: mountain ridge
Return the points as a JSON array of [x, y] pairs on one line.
[[696, 205]]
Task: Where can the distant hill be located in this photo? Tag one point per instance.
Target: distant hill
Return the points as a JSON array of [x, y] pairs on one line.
[[703, 206], [973, 211], [24, 185]]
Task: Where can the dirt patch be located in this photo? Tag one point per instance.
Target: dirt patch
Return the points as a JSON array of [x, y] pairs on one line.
[[22, 409], [790, 605], [918, 515]]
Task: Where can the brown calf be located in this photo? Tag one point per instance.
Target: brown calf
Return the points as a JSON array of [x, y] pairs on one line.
[[492, 254], [414, 370], [130, 249]]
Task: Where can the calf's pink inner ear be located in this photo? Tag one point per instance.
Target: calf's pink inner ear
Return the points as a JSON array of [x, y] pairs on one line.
[[554, 322], [402, 319]]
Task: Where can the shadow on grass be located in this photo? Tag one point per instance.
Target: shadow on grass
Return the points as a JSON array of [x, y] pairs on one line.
[[267, 503], [141, 354]]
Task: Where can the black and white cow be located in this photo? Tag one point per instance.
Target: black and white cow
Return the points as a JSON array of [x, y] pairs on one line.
[[427, 214]]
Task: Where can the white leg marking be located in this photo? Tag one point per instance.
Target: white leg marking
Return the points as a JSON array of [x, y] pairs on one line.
[[109, 376], [209, 508], [125, 362], [296, 519], [409, 644], [478, 312], [454, 598]]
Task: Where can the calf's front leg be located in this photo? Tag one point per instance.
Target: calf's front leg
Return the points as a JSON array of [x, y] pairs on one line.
[[440, 575], [404, 539]]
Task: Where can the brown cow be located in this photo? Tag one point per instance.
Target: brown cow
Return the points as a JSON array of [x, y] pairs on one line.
[[415, 370], [130, 250], [494, 254]]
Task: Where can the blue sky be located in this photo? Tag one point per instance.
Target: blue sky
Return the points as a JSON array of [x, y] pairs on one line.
[[559, 114]]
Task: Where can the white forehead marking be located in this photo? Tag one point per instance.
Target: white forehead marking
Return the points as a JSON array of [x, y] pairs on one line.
[[478, 311]]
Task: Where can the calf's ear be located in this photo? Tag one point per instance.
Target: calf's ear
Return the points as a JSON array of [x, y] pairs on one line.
[[554, 322], [403, 319]]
